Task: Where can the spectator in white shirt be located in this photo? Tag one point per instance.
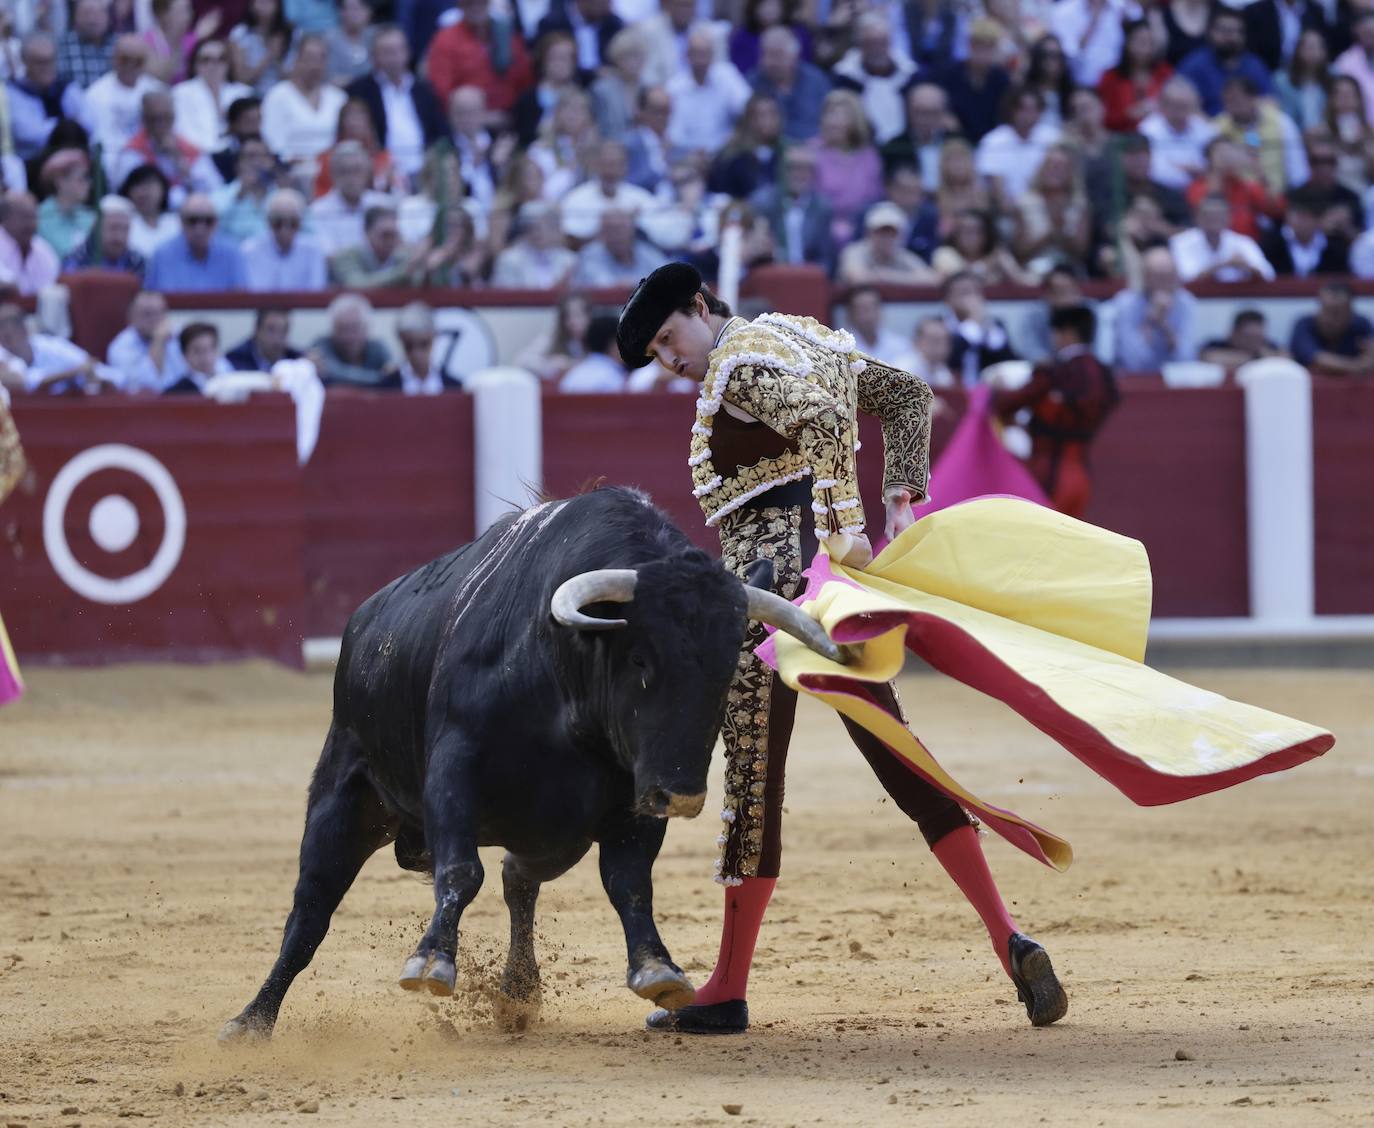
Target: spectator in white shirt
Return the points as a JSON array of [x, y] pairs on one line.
[[666, 36], [619, 257], [1090, 31], [1012, 153], [283, 258], [48, 365], [336, 218], [1211, 252], [146, 354], [300, 114], [601, 370], [1178, 134], [537, 259], [864, 318], [707, 97], [879, 74], [418, 373], [114, 101], [202, 101], [608, 188], [152, 223]]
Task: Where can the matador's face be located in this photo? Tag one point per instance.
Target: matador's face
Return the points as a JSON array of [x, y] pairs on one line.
[[684, 342]]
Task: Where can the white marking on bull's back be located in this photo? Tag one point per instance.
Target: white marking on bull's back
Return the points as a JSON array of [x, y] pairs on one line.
[[500, 552]]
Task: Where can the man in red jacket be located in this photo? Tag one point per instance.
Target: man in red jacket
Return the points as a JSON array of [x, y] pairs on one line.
[[480, 50], [1069, 398]]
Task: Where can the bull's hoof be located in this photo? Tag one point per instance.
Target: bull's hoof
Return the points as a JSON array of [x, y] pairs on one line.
[[662, 983], [245, 1031], [516, 1015], [433, 973]]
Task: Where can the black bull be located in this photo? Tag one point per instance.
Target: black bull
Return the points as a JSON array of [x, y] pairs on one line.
[[476, 703]]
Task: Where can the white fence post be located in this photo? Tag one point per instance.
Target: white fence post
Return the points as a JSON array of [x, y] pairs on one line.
[[508, 441], [1278, 469]]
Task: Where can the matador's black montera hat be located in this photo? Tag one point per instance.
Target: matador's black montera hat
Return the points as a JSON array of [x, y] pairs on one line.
[[670, 287]]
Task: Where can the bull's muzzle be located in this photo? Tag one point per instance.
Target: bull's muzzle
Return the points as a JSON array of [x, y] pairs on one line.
[[664, 804]]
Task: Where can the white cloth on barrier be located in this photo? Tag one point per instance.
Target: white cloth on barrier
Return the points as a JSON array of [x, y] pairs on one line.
[[298, 379]]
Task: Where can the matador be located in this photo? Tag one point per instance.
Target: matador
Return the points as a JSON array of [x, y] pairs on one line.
[[12, 470], [773, 451]]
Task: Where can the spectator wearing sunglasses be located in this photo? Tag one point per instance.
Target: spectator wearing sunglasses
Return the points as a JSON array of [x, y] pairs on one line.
[[283, 258], [198, 259]]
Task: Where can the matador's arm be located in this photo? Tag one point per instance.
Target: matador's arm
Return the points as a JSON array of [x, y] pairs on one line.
[[902, 401], [821, 425]]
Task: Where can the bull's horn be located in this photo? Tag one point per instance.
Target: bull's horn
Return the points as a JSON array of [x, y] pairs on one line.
[[605, 585], [777, 612]]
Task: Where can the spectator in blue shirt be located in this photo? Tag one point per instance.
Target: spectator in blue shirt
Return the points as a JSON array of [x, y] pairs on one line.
[[283, 258], [798, 87], [1224, 56], [1335, 340], [1156, 323], [197, 260]]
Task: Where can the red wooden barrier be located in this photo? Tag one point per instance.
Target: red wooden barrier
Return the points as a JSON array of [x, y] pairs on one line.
[[126, 468], [388, 488], [1342, 474], [1169, 470], [635, 440]]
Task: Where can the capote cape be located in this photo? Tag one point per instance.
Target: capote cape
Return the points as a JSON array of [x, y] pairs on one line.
[[1049, 615]]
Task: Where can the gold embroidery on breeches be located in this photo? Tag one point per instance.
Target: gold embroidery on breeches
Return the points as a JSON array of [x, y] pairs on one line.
[[748, 535]]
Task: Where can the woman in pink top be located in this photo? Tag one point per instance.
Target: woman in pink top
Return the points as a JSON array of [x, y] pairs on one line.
[[848, 172]]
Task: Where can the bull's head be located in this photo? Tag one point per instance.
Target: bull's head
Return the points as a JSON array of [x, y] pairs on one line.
[[670, 663]]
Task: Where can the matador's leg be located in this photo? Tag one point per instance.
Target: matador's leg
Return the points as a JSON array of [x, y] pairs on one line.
[[758, 725], [949, 832]]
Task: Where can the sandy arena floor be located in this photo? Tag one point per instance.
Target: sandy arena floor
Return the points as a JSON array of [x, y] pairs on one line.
[[151, 817]]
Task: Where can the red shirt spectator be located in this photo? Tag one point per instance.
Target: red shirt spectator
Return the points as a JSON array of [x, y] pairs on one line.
[[1127, 100], [1231, 172], [1130, 89], [1248, 200], [480, 51]]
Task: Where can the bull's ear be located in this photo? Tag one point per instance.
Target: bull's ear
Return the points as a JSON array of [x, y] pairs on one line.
[[760, 575]]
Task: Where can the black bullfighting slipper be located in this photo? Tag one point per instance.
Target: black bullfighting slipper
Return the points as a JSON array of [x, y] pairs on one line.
[[729, 1017], [1036, 984]]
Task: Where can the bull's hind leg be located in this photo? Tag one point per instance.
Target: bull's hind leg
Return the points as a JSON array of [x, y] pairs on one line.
[[451, 834], [629, 845], [345, 823]]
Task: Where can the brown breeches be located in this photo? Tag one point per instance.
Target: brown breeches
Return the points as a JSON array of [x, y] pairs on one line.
[[760, 713]]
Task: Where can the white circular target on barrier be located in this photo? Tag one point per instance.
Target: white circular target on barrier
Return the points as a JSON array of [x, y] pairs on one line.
[[114, 524]]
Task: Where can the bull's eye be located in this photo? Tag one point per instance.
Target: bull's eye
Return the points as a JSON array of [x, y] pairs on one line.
[[642, 667]]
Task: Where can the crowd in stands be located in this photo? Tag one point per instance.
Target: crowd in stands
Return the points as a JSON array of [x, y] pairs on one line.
[[358, 145]]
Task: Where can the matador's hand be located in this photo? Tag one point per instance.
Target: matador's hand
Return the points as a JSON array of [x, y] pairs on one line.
[[850, 549], [899, 514]]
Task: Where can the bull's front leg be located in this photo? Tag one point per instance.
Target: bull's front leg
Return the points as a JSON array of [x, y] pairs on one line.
[[451, 821], [629, 845]]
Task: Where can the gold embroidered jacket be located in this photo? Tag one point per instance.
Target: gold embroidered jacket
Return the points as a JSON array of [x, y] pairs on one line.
[[805, 382], [12, 464]]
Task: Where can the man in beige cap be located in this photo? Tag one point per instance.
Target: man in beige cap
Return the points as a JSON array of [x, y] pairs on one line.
[[879, 256]]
